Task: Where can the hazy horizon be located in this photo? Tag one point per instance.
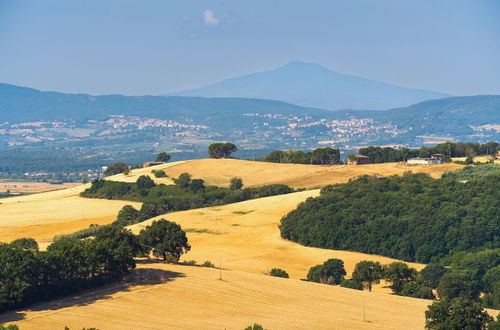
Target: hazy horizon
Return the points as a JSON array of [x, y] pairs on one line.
[[155, 47]]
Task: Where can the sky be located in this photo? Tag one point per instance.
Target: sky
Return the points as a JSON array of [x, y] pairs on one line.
[[157, 46]]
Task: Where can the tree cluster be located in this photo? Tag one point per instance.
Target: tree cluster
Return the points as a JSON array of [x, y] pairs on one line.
[[163, 157], [323, 156], [448, 149], [330, 272], [413, 217], [28, 275], [116, 168], [187, 193]]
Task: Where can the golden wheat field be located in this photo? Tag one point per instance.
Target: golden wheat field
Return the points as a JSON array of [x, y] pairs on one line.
[[36, 215], [41, 216], [243, 238], [220, 171], [163, 296]]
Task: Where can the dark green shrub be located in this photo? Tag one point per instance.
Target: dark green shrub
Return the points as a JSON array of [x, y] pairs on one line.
[[208, 264], [278, 272], [351, 284], [330, 272]]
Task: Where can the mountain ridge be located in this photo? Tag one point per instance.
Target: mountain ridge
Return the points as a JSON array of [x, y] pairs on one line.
[[313, 85]]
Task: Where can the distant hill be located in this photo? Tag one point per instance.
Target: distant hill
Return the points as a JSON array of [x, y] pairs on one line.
[[114, 126], [19, 104], [313, 85]]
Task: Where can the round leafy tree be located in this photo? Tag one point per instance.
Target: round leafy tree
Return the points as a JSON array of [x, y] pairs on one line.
[[331, 272], [221, 150], [116, 168], [145, 182], [456, 314], [235, 183], [368, 273], [163, 157], [165, 239]]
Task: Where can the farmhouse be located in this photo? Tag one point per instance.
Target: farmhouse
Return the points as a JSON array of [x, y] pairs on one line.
[[433, 160], [358, 160]]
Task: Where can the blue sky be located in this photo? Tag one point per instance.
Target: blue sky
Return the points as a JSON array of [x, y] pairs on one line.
[[152, 47]]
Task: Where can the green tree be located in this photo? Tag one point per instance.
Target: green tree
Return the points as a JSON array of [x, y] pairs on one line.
[[351, 284], [221, 150], [278, 272], [183, 180], [112, 252], [159, 174], [331, 272], [145, 182], [19, 269], [163, 157], [116, 168], [165, 238], [456, 314], [326, 155], [276, 156], [196, 185], [9, 327], [416, 290], [235, 183], [398, 273], [492, 299], [432, 274], [491, 278], [127, 216], [368, 273], [458, 285], [25, 243]]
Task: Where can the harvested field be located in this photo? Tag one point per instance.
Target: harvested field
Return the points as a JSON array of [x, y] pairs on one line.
[[44, 215], [220, 171], [162, 296], [245, 236], [33, 187], [136, 173]]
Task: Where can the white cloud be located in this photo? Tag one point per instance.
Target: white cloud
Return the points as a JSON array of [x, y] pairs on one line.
[[209, 18]]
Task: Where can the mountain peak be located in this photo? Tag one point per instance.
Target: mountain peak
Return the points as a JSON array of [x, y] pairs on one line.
[[313, 85], [299, 65]]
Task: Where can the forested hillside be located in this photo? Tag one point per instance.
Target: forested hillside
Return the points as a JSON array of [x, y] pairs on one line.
[[414, 217]]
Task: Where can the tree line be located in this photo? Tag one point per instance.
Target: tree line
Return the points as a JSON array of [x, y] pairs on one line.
[[185, 194], [28, 275], [319, 156], [413, 217], [448, 149], [459, 305]]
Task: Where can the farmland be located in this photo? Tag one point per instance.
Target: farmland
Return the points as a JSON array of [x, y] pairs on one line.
[[162, 296], [220, 171], [243, 238]]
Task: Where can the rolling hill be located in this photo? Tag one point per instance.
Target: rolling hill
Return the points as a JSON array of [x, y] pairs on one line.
[[244, 237], [35, 126], [312, 85]]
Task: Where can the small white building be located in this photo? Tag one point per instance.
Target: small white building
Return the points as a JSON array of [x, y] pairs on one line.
[[424, 161]]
